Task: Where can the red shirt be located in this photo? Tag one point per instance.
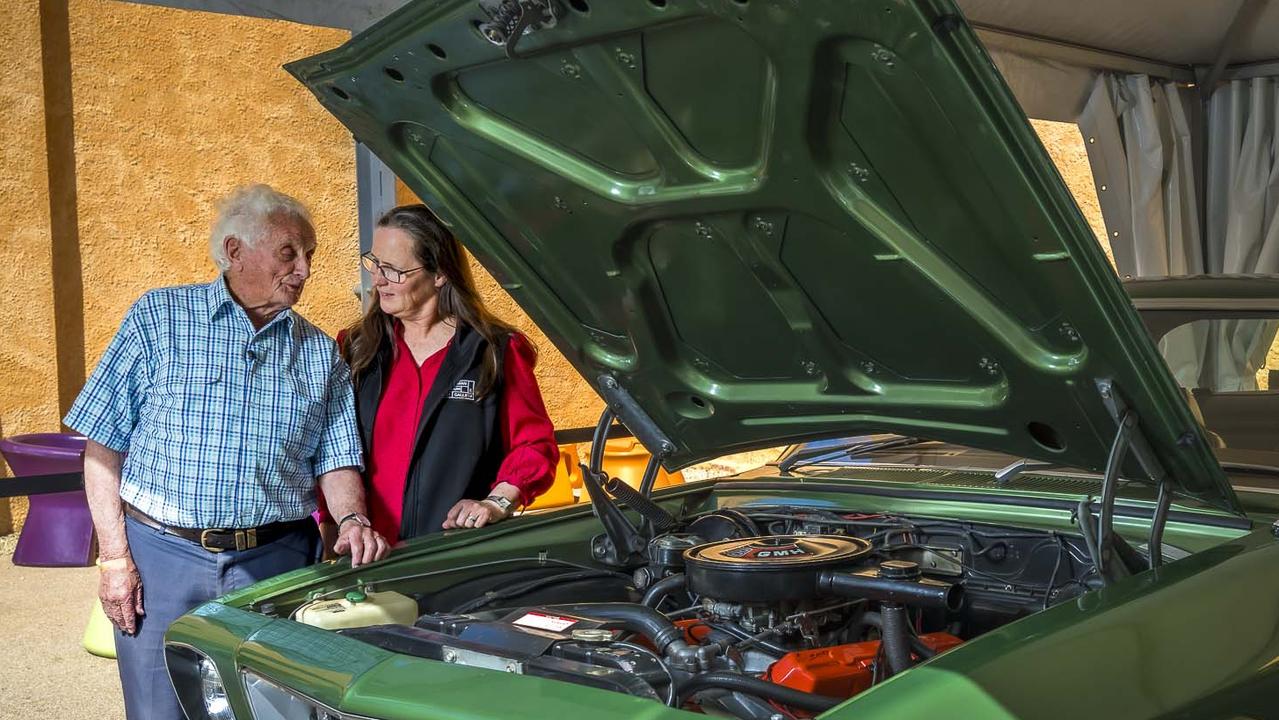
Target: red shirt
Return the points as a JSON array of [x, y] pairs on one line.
[[528, 437]]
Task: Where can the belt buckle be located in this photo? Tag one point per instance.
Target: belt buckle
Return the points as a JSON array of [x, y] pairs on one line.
[[204, 542], [244, 539]]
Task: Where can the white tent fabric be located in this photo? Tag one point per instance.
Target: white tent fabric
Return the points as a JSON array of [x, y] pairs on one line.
[[1243, 217], [1047, 89], [1243, 178], [1140, 149], [1143, 158]]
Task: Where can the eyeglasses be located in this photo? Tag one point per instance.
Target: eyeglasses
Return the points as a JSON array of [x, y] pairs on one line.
[[374, 266]]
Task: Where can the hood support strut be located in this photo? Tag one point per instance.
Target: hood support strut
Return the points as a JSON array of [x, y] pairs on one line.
[[623, 544], [1128, 438]]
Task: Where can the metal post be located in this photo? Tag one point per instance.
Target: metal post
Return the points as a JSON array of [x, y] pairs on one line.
[[375, 192]]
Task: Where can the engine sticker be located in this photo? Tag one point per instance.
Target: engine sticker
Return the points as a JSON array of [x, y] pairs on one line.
[[543, 621]]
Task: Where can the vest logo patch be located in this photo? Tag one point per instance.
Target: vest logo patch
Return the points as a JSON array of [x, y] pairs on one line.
[[463, 390]]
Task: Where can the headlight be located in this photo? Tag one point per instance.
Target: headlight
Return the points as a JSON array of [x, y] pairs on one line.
[[270, 701], [216, 703], [198, 684]]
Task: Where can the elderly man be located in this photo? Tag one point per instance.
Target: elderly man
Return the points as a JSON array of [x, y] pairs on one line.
[[230, 408]]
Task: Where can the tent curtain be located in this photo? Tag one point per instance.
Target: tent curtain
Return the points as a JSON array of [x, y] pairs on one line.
[[1139, 144], [1242, 221], [1142, 153]]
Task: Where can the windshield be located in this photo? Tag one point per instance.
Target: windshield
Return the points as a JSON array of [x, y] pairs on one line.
[[1229, 370], [1227, 366]]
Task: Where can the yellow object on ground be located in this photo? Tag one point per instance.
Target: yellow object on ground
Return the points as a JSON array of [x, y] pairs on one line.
[[568, 475], [99, 634], [626, 459]]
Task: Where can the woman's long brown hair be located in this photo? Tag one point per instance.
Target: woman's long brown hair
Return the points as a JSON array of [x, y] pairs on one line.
[[439, 252]]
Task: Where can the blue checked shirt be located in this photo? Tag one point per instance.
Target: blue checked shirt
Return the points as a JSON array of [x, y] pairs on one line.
[[224, 426]]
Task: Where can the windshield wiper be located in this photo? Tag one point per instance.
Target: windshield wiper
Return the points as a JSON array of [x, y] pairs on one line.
[[1017, 468], [818, 456]]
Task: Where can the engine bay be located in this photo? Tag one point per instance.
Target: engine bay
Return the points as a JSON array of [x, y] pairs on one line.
[[762, 612]]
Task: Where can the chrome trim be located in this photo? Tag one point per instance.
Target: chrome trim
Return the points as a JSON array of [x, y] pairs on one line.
[[301, 695]]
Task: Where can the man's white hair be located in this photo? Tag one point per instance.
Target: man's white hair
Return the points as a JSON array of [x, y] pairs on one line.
[[246, 214]]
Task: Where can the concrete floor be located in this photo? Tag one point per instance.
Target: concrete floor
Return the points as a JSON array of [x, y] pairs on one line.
[[46, 674]]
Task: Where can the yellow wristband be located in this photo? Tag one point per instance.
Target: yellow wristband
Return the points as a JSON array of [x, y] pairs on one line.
[[119, 563]]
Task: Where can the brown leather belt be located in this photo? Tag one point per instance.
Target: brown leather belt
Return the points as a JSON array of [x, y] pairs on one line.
[[217, 540]]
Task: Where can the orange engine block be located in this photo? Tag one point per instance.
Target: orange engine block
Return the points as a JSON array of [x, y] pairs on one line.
[[840, 670]]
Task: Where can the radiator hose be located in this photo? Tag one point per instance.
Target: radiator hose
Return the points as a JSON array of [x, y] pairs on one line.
[[636, 618], [875, 620], [660, 589], [759, 688], [894, 636], [656, 627]]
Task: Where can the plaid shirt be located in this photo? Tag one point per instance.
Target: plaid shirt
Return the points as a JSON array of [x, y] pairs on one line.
[[224, 426]]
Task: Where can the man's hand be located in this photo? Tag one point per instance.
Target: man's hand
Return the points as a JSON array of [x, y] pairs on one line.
[[344, 494], [120, 590], [363, 543]]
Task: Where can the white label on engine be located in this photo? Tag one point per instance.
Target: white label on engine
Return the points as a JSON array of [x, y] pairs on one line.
[[542, 621]]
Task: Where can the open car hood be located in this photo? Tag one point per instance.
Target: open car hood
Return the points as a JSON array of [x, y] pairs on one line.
[[767, 221]]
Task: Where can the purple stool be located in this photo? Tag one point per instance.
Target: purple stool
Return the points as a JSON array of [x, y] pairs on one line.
[[58, 530]]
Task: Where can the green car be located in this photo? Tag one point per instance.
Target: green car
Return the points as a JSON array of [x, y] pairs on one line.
[[816, 223]]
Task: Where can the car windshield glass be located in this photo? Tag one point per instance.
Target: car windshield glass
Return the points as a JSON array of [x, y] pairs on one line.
[[1229, 371], [1224, 355]]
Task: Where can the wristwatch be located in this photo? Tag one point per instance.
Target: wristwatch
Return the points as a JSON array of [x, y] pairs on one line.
[[359, 518], [502, 502]]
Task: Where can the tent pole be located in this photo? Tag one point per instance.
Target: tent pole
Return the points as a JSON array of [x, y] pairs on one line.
[[1245, 18]]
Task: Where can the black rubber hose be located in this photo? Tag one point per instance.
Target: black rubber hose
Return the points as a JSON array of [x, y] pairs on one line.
[[759, 688], [920, 647], [876, 621], [660, 589], [529, 586], [916, 593], [637, 618], [871, 618], [894, 636], [742, 520]]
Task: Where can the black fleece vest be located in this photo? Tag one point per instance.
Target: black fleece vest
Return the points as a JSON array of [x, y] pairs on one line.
[[458, 447]]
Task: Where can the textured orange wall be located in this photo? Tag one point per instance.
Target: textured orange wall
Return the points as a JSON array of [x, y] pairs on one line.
[[29, 401], [173, 109], [1066, 146]]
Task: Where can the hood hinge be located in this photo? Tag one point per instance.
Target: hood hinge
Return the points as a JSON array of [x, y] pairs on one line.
[[1128, 438], [509, 20], [622, 543]]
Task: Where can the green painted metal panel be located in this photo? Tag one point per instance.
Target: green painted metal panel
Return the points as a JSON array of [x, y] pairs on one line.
[[773, 221]]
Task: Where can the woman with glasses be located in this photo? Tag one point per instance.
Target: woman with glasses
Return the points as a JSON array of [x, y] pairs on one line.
[[455, 432]]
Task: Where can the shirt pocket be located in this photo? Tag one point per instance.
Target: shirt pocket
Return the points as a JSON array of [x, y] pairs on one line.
[[302, 416], [188, 402]]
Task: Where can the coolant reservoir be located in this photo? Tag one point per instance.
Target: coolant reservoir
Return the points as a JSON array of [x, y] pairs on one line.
[[359, 609]]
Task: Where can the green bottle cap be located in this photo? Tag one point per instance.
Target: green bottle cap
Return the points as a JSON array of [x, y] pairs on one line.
[[356, 596]]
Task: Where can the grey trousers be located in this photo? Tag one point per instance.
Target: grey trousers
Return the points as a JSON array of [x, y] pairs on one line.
[[178, 575]]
